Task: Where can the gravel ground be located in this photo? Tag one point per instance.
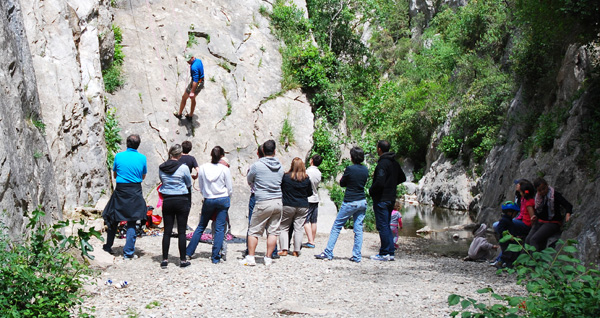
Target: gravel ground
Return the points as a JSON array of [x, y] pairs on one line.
[[417, 284]]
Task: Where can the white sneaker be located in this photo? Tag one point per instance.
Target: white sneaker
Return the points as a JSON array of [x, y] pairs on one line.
[[268, 261], [248, 261]]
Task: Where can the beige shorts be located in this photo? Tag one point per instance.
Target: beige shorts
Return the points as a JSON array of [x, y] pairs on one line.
[[266, 215], [198, 88]]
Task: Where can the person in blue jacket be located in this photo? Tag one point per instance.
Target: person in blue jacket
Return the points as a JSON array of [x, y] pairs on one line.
[[195, 86]]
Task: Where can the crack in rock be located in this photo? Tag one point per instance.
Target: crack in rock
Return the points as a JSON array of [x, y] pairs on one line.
[[159, 135], [222, 58], [249, 34]]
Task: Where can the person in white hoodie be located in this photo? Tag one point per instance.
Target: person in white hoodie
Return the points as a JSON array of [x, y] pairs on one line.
[[216, 185]]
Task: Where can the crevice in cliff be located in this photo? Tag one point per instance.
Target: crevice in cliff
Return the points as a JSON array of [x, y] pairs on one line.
[[249, 34], [164, 141]]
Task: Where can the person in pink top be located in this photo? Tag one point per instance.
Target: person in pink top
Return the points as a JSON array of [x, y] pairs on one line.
[[396, 222], [527, 214]]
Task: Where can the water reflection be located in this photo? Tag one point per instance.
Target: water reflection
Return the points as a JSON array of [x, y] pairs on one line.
[[416, 217]]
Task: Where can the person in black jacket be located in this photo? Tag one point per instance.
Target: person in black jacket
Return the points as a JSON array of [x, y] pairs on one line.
[[387, 176], [549, 214], [354, 205], [295, 190]]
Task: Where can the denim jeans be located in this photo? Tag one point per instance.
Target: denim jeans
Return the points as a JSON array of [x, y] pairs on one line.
[[383, 215], [356, 210], [129, 247], [210, 207]]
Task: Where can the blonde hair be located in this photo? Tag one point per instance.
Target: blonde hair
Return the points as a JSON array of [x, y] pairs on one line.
[[398, 206], [298, 170]]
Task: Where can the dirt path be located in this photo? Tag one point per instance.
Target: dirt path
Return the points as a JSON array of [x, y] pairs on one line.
[[415, 285]]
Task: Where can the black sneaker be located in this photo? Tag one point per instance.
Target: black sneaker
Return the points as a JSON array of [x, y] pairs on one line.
[[164, 264], [184, 264]]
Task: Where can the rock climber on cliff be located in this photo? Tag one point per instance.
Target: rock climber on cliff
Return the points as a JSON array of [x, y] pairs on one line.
[[195, 86]]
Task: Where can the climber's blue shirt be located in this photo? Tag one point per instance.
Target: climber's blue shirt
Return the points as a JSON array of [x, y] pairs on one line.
[[197, 70]]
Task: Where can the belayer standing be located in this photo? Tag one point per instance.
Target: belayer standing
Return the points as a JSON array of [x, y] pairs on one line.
[[387, 176], [127, 201], [195, 86]]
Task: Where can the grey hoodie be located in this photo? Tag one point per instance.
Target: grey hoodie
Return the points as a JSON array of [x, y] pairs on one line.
[[480, 248], [266, 175]]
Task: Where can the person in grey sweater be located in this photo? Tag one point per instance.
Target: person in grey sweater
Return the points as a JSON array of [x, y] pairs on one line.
[[480, 248], [266, 175]]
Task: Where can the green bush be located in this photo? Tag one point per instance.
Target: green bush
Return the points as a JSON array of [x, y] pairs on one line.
[[40, 277], [111, 136], [325, 144], [557, 284], [289, 23], [113, 78], [287, 133], [119, 56]]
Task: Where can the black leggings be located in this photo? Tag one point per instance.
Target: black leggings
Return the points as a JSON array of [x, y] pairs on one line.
[[175, 207]]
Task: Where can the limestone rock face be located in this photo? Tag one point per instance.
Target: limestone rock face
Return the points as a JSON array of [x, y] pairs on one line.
[[429, 8], [446, 185], [561, 166], [63, 40], [26, 175], [240, 106]]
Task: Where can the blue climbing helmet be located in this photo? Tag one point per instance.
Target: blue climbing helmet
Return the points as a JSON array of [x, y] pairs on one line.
[[509, 205]]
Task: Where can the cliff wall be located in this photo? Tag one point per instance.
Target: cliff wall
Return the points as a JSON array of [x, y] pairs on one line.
[[26, 167]]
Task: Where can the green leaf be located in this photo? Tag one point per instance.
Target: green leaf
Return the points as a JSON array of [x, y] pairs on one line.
[[496, 296], [515, 301], [566, 258], [513, 248], [549, 250], [453, 299], [465, 303], [484, 290], [570, 249]]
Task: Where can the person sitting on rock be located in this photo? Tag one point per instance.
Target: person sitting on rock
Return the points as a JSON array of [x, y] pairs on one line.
[[480, 248], [551, 210], [507, 223]]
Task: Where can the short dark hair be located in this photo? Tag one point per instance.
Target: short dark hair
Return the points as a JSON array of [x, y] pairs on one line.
[[187, 146], [269, 147], [538, 182], [216, 154], [383, 145], [133, 141], [317, 159], [260, 151], [357, 155]]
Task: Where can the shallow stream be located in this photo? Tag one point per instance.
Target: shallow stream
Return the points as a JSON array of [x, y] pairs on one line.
[[444, 228]]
